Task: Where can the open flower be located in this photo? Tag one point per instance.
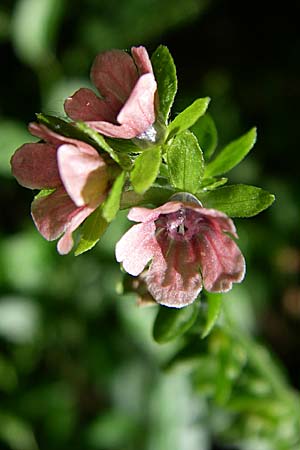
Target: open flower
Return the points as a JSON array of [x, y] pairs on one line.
[[76, 173], [188, 247], [127, 86]]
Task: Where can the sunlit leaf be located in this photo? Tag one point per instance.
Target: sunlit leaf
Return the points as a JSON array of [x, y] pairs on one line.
[[239, 200], [165, 75], [206, 132], [231, 155], [189, 116], [185, 162], [112, 204], [146, 168], [91, 231]]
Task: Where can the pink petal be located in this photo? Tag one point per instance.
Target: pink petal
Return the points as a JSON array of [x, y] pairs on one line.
[[223, 221], [114, 74], [138, 112], [142, 60], [173, 278], [65, 244], [136, 247], [222, 262], [55, 214], [86, 106], [83, 174], [35, 166], [140, 214], [114, 131]]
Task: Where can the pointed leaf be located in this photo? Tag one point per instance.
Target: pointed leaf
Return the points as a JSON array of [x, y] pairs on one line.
[[214, 303], [146, 169], [239, 200], [206, 132], [189, 116], [231, 155], [185, 162], [165, 74], [171, 323], [112, 204], [91, 231]]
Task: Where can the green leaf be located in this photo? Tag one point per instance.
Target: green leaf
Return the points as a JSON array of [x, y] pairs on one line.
[[165, 74], [231, 155], [185, 162], [206, 132], [112, 204], [239, 200], [214, 303], [209, 184], [155, 196], [171, 323], [34, 39], [145, 169], [188, 117], [91, 231], [62, 127]]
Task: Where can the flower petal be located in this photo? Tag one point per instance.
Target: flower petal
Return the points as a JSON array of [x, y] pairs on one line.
[[140, 214], [136, 247], [83, 174], [55, 214], [139, 112], [142, 60], [173, 278], [85, 105], [35, 166], [114, 74], [222, 262]]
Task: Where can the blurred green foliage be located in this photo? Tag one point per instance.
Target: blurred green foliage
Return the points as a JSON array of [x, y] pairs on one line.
[[78, 365]]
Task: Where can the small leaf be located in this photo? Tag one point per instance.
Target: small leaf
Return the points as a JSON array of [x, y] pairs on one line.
[[91, 231], [231, 155], [185, 162], [189, 116], [214, 303], [206, 132], [171, 323], [155, 196], [239, 200], [165, 74], [209, 184], [145, 169], [112, 204]]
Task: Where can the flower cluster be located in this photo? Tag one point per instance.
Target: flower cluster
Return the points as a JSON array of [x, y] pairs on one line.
[[119, 150]]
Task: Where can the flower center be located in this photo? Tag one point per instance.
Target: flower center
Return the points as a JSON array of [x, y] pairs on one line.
[[181, 225]]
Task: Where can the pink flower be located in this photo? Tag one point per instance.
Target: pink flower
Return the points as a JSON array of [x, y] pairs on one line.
[[127, 86], [73, 169], [188, 247]]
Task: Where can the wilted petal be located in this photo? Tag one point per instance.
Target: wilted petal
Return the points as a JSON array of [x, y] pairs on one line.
[[222, 262], [35, 166], [85, 105], [114, 74], [138, 112], [142, 60], [136, 247], [173, 278], [83, 174]]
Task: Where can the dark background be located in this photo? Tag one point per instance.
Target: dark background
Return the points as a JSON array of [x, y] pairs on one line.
[[78, 367]]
